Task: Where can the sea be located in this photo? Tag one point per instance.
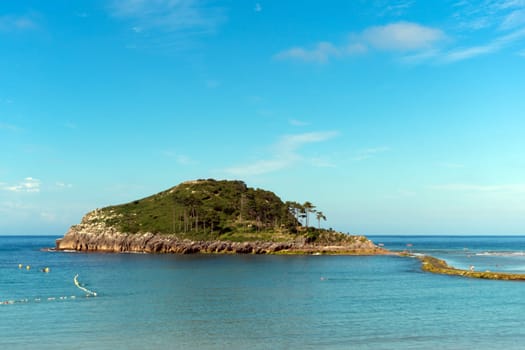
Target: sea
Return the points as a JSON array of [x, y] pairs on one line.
[[144, 301]]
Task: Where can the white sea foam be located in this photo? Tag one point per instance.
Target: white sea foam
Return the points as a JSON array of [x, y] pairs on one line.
[[510, 254]]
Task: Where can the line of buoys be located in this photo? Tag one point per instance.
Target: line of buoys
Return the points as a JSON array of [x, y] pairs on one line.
[[89, 292], [28, 267], [36, 300]]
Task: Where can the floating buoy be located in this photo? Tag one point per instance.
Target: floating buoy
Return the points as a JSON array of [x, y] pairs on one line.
[[20, 266], [45, 269], [28, 267]]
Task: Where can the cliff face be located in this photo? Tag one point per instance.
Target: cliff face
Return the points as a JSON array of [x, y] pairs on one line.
[[93, 234]]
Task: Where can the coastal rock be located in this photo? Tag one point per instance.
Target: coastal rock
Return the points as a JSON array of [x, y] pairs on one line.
[[94, 235]]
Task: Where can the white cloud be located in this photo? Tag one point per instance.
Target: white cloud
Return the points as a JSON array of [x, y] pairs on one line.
[[478, 28], [9, 23], [296, 122], [513, 188], [168, 15], [63, 185], [469, 52], [9, 127], [394, 8], [70, 125], [322, 162], [212, 84], [495, 45], [451, 165], [290, 143], [319, 54], [48, 216], [261, 167], [513, 20], [402, 36], [285, 154], [502, 22], [181, 159], [369, 153], [29, 185]]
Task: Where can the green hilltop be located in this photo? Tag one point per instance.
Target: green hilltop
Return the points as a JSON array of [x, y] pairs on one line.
[[220, 210]]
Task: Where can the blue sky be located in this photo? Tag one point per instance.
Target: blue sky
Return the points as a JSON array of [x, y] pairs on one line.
[[395, 117]]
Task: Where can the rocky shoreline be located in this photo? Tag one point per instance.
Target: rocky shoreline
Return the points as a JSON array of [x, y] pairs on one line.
[[93, 235], [434, 265]]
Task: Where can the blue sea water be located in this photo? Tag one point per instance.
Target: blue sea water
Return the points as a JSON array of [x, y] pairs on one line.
[[261, 302]]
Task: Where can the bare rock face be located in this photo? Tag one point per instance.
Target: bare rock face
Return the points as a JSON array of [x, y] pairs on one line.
[[92, 234]]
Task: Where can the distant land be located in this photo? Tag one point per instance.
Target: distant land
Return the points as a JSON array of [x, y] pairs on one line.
[[212, 216]]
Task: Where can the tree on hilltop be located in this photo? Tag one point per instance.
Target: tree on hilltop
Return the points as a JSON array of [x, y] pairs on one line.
[[308, 208], [320, 216]]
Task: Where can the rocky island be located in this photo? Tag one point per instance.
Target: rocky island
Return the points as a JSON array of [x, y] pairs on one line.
[[210, 216]]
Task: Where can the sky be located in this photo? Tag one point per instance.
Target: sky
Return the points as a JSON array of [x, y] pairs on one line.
[[391, 116]]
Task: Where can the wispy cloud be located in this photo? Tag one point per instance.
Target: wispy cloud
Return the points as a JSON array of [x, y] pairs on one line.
[[320, 53], [70, 125], [63, 185], [501, 21], [394, 8], [488, 14], [495, 45], [212, 83], [181, 159], [400, 37], [9, 127], [296, 122], [474, 29], [369, 153], [451, 165], [285, 153], [169, 15], [28, 185], [258, 7], [511, 188], [12, 23], [514, 19], [401, 193], [322, 162], [470, 52]]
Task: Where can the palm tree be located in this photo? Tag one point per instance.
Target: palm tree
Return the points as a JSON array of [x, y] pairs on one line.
[[320, 216], [308, 208], [295, 209]]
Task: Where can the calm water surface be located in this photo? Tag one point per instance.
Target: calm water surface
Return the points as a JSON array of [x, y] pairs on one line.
[[261, 302]]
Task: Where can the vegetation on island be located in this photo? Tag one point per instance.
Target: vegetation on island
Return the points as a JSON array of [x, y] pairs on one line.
[[221, 210]]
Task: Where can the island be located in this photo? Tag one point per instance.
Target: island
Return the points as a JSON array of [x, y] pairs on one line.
[[212, 216]]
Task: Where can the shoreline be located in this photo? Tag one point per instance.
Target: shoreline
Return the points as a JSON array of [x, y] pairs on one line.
[[438, 266], [157, 244]]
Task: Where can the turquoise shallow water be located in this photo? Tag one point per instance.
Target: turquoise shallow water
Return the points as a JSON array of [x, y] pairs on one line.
[[260, 302]]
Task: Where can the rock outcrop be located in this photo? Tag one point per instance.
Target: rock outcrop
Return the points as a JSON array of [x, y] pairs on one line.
[[93, 234]]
